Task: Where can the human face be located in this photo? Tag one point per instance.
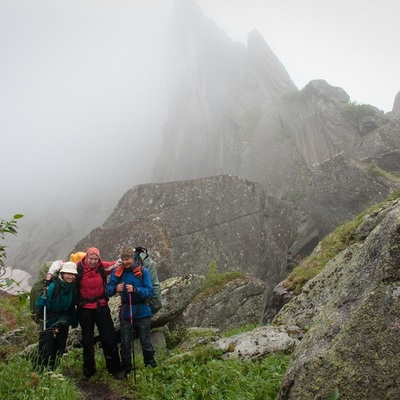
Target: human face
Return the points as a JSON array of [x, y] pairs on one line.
[[127, 262], [68, 278], [93, 260]]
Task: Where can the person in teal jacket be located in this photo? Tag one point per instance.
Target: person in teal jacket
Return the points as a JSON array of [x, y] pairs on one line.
[[57, 312], [133, 283]]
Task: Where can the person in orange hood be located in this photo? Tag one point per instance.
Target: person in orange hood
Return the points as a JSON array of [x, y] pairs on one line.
[[93, 309]]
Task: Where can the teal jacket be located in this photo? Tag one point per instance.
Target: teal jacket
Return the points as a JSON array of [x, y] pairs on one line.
[[60, 305]]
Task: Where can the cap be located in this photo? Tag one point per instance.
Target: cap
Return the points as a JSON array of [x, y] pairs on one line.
[[92, 250], [69, 268]]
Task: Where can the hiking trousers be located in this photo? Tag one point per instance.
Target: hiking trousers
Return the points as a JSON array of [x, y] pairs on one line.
[[52, 343], [142, 327], [101, 317]]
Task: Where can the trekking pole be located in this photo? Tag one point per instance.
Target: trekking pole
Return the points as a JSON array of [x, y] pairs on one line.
[[44, 307], [133, 339]]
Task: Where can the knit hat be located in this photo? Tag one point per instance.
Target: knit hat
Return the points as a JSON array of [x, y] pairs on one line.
[[127, 252], [92, 250], [76, 257], [69, 268]]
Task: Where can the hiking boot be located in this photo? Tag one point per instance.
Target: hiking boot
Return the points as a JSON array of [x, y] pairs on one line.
[[120, 375]]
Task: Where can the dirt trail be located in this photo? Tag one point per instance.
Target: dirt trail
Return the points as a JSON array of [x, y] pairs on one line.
[[99, 391]]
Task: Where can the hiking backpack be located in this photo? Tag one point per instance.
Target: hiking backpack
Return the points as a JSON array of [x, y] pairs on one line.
[[155, 302], [37, 287], [41, 302]]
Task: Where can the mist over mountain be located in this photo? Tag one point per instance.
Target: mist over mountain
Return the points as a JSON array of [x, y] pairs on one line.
[[231, 109]]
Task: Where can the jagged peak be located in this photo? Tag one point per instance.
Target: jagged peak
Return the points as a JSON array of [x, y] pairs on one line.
[[272, 75], [396, 106]]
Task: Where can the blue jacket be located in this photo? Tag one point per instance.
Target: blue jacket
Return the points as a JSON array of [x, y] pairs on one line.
[[143, 291]]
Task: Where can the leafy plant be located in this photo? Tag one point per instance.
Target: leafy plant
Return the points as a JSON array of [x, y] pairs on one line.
[[7, 227], [335, 394], [205, 377]]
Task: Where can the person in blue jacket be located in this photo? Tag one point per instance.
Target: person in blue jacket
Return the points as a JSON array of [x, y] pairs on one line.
[[133, 283], [58, 313]]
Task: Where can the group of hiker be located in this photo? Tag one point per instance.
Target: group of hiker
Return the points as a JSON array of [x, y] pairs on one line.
[[77, 291]]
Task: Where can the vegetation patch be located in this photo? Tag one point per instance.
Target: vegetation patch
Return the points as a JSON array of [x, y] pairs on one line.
[[201, 376], [375, 171], [215, 282], [18, 381], [240, 329], [200, 373], [341, 238], [359, 110], [293, 197], [356, 112]]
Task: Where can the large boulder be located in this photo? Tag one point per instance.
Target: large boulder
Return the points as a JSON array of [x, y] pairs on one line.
[[255, 344], [186, 225], [239, 302]]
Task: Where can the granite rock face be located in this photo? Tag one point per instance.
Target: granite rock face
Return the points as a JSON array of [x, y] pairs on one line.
[[189, 224], [350, 317], [239, 303]]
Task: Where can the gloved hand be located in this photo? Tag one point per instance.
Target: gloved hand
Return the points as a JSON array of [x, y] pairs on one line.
[[137, 271], [46, 282], [118, 263]]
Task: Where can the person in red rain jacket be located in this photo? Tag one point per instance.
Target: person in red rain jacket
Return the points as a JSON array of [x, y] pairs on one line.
[[93, 309]]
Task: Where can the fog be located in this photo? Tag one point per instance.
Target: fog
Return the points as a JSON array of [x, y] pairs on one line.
[[83, 87], [82, 98]]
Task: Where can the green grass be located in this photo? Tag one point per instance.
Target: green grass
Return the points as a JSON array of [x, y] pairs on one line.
[[200, 373], [341, 238], [216, 282], [19, 382], [205, 377]]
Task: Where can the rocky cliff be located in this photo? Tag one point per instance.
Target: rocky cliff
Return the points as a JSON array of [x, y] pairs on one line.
[[350, 317], [234, 110]]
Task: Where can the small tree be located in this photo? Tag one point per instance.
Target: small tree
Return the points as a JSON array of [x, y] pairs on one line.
[[11, 228]]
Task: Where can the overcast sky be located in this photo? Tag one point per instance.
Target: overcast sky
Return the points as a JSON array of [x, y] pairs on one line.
[[82, 84]]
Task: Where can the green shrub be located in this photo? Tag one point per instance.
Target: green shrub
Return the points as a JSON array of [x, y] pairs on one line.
[[359, 110]]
